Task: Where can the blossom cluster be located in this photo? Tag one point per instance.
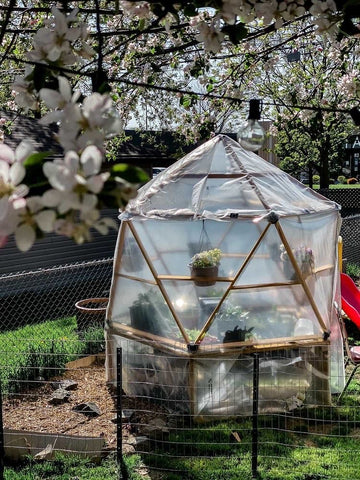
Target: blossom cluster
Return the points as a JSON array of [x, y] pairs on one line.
[[66, 197], [210, 22]]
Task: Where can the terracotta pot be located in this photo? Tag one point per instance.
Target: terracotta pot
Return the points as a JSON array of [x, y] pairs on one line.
[[204, 276]]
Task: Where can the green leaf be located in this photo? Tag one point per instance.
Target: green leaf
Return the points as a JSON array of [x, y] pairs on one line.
[[141, 24], [130, 173], [187, 100], [34, 176], [36, 159]]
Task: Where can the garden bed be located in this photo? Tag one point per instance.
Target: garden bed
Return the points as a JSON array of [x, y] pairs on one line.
[[31, 411]]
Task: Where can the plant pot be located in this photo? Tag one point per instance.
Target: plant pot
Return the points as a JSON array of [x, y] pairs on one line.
[[91, 312], [204, 276], [306, 270]]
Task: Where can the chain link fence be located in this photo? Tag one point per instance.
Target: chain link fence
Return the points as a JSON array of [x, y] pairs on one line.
[[31, 297], [349, 199], [55, 392], [350, 232]]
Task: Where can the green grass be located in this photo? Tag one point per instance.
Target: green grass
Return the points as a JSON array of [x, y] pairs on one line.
[[72, 467], [309, 444], [353, 270], [42, 349], [338, 186]]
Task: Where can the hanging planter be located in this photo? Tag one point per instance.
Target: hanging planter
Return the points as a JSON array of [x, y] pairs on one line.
[[204, 276], [304, 257], [204, 267]]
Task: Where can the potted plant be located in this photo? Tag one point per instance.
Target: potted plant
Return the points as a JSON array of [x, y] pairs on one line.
[[231, 319], [149, 313], [204, 267], [304, 257]]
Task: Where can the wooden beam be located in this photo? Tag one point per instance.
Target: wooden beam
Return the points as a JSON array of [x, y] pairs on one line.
[[300, 276], [217, 308], [159, 282]]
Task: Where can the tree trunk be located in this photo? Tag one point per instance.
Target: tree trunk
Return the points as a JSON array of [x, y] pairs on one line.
[[324, 167]]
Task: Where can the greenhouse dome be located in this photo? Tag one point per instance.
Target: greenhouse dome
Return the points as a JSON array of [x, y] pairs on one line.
[[269, 245]]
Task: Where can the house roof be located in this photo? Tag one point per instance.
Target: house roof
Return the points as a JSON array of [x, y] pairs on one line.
[[28, 128], [136, 150], [219, 180]]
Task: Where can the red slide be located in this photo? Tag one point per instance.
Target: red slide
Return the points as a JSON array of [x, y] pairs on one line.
[[350, 298]]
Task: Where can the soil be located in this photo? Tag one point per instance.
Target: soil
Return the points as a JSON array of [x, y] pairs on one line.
[[31, 410]]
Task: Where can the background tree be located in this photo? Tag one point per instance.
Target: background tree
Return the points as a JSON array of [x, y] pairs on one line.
[[309, 85], [176, 64]]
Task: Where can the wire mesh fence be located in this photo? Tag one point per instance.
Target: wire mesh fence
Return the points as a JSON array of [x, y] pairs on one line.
[[292, 435], [350, 232], [55, 394]]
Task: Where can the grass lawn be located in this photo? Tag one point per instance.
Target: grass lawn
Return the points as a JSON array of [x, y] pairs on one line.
[[338, 186], [306, 444], [42, 349]]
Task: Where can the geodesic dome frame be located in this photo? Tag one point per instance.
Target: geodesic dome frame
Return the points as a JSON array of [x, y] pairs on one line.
[[277, 278]]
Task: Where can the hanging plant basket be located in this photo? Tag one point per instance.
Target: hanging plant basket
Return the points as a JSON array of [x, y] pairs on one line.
[[91, 312], [204, 276]]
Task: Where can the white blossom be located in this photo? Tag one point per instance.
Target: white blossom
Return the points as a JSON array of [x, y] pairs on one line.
[[58, 100], [12, 172], [30, 218], [24, 90], [53, 43], [349, 84], [89, 123], [75, 180], [139, 9], [210, 35], [79, 230]]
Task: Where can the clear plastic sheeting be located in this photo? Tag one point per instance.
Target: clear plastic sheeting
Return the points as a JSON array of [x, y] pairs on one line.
[[213, 388], [220, 178], [272, 291]]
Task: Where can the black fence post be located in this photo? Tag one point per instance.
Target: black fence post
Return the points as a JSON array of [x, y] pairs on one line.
[[123, 474], [2, 446], [255, 417]]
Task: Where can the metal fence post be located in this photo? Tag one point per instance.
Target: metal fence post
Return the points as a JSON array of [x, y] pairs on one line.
[[255, 417], [2, 446], [123, 474]]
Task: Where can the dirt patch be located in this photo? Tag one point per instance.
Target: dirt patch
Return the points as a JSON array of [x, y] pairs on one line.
[[31, 410]]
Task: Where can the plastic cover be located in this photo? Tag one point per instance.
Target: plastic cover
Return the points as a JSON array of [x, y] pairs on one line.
[[215, 388], [220, 178]]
